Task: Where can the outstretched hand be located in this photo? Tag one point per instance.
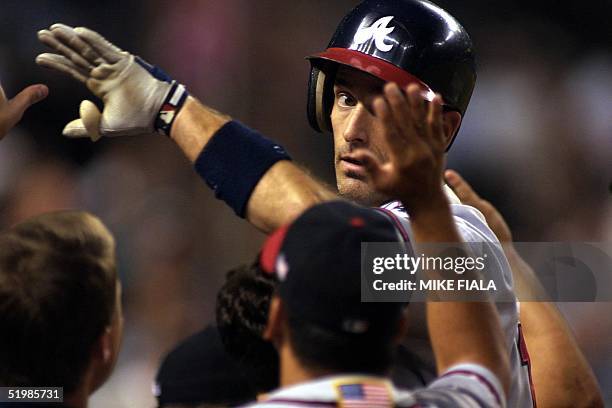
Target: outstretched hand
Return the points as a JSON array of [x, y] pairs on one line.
[[415, 135], [12, 110], [132, 90]]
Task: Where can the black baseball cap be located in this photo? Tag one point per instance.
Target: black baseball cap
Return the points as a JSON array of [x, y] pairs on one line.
[[317, 260], [200, 371]]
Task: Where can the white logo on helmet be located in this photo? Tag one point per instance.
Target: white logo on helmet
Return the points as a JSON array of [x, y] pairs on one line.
[[378, 31]]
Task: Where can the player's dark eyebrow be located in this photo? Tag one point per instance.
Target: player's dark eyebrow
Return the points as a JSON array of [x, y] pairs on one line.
[[364, 83], [340, 81]]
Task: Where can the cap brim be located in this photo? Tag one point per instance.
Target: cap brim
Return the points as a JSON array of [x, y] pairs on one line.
[[373, 66]]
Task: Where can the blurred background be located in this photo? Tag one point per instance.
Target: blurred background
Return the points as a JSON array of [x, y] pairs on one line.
[[536, 141]]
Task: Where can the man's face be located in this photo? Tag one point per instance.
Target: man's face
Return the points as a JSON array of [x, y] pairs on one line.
[[355, 127]]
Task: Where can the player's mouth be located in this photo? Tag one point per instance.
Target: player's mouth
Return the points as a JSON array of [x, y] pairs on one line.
[[352, 167]]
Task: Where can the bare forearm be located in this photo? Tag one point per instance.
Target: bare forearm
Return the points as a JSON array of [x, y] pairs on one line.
[[433, 222], [460, 332], [194, 126], [284, 193], [526, 284], [561, 375], [468, 332]]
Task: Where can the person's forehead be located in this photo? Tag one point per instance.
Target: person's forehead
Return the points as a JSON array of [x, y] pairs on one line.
[[354, 78]]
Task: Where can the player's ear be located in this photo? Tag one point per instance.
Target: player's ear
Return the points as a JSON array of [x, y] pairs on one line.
[[274, 328], [102, 351], [452, 120], [103, 357]]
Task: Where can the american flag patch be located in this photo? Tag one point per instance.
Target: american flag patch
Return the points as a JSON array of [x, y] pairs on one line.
[[372, 395]]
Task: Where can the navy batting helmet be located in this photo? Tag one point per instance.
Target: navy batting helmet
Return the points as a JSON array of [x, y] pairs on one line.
[[403, 41]]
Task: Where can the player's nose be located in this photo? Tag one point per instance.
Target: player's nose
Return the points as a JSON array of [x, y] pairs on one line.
[[357, 128]]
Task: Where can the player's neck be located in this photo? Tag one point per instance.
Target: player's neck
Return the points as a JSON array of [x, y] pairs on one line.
[[293, 372], [79, 397]]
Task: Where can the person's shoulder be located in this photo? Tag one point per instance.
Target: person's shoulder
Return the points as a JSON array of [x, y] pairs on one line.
[[290, 404], [339, 390], [472, 224], [318, 392], [470, 221]]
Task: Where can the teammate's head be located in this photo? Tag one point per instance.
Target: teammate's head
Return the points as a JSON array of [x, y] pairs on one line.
[[318, 314], [242, 313], [60, 309], [199, 373], [402, 41]]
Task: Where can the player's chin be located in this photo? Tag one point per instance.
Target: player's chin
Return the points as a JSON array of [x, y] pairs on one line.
[[357, 190]]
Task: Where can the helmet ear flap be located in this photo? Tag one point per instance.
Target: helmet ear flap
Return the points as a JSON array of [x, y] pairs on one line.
[[320, 98]]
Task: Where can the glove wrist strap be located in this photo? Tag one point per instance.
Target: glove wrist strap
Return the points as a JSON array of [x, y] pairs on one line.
[[170, 108]]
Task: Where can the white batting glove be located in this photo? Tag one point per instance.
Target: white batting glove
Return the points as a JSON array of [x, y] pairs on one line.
[[138, 97]]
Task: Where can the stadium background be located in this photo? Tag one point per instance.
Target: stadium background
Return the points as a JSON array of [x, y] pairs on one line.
[[536, 141]]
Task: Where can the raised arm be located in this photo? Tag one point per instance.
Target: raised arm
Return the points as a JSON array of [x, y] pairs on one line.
[[282, 193], [561, 375], [251, 173], [461, 332]]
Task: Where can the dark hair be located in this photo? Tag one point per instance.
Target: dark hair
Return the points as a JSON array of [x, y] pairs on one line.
[[57, 294], [320, 349], [242, 315]]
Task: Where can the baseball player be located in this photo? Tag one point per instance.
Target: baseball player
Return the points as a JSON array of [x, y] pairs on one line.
[[335, 350], [411, 53]]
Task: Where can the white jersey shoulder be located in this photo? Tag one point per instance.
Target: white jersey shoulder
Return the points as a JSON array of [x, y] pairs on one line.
[[465, 385], [475, 232]]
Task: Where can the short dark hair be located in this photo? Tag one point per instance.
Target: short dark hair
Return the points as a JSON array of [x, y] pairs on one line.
[[242, 316], [57, 294], [318, 348]]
